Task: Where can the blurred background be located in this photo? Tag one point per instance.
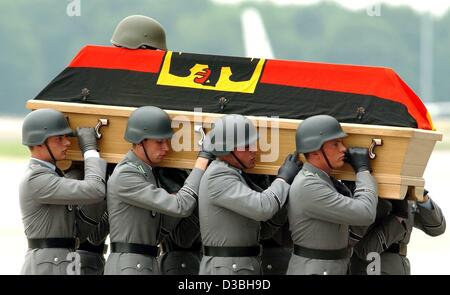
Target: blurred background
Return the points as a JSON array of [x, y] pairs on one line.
[[39, 38]]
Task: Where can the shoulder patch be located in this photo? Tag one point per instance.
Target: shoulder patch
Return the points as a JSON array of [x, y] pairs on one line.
[[137, 167], [35, 166], [309, 173]]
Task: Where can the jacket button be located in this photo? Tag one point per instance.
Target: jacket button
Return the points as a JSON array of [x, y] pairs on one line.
[[55, 259], [183, 265]]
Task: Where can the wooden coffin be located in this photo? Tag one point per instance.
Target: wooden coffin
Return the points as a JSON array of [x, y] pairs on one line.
[[398, 165]]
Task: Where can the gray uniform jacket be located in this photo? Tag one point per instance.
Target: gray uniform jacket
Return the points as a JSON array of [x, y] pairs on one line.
[[47, 202], [230, 213], [92, 225], [319, 217], [135, 207], [387, 231]]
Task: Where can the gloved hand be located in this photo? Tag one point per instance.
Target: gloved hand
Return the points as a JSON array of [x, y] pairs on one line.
[[400, 208], [359, 159], [205, 153], [87, 139], [290, 168]]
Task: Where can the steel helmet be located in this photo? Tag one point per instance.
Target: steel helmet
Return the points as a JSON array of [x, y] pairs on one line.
[[230, 132], [148, 122], [314, 131], [43, 123], [136, 31]]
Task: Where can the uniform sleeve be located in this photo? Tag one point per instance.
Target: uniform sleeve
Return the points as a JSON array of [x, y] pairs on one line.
[[98, 235], [88, 218], [430, 221], [186, 232], [271, 226], [135, 190], [50, 188], [380, 237], [226, 190], [324, 203]]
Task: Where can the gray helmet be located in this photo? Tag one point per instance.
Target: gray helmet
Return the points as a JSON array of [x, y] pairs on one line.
[[229, 133], [148, 122], [135, 31], [313, 132], [43, 123]]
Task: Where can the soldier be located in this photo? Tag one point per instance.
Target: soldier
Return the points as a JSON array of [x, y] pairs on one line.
[[135, 199], [390, 233], [319, 213], [181, 248], [91, 229], [230, 210], [47, 198]]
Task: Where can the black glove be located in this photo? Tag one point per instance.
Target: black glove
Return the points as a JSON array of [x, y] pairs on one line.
[[358, 158], [400, 208], [290, 168], [205, 153], [87, 139]]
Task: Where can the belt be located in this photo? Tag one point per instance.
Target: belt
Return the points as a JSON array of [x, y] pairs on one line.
[[70, 243], [232, 251], [99, 249], [398, 248], [171, 247], [142, 249], [322, 254]]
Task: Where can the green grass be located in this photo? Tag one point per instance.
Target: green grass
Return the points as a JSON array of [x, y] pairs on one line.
[[13, 149]]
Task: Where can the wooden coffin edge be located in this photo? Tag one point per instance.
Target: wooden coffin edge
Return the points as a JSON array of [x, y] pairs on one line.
[[397, 184]]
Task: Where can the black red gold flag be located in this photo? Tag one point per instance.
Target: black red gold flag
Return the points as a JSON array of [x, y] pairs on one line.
[[248, 86]]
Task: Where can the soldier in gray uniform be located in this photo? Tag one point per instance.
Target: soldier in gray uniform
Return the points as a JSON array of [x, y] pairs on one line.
[[92, 227], [319, 213], [230, 210], [390, 234], [136, 202], [47, 199]]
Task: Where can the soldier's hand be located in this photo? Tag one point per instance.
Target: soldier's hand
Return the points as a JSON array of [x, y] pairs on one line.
[[359, 159], [205, 153], [400, 208], [290, 168], [87, 139]]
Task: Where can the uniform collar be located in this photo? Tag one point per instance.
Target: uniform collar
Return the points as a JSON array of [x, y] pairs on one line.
[[131, 157], [45, 163], [220, 162], [319, 172]]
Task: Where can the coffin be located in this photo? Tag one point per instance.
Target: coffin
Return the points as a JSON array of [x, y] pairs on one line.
[[377, 109]]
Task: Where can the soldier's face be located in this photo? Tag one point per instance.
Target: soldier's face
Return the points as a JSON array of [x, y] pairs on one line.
[[247, 156], [335, 151], [156, 149], [59, 146]]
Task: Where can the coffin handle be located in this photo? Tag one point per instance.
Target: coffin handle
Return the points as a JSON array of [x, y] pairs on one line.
[[375, 142], [101, 122], [199, 129]]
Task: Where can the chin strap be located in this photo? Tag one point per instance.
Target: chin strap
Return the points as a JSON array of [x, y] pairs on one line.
[[239, 161], [50, 151], [326, 158]]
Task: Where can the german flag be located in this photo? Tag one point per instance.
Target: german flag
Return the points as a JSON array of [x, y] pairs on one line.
[[248, 86]]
